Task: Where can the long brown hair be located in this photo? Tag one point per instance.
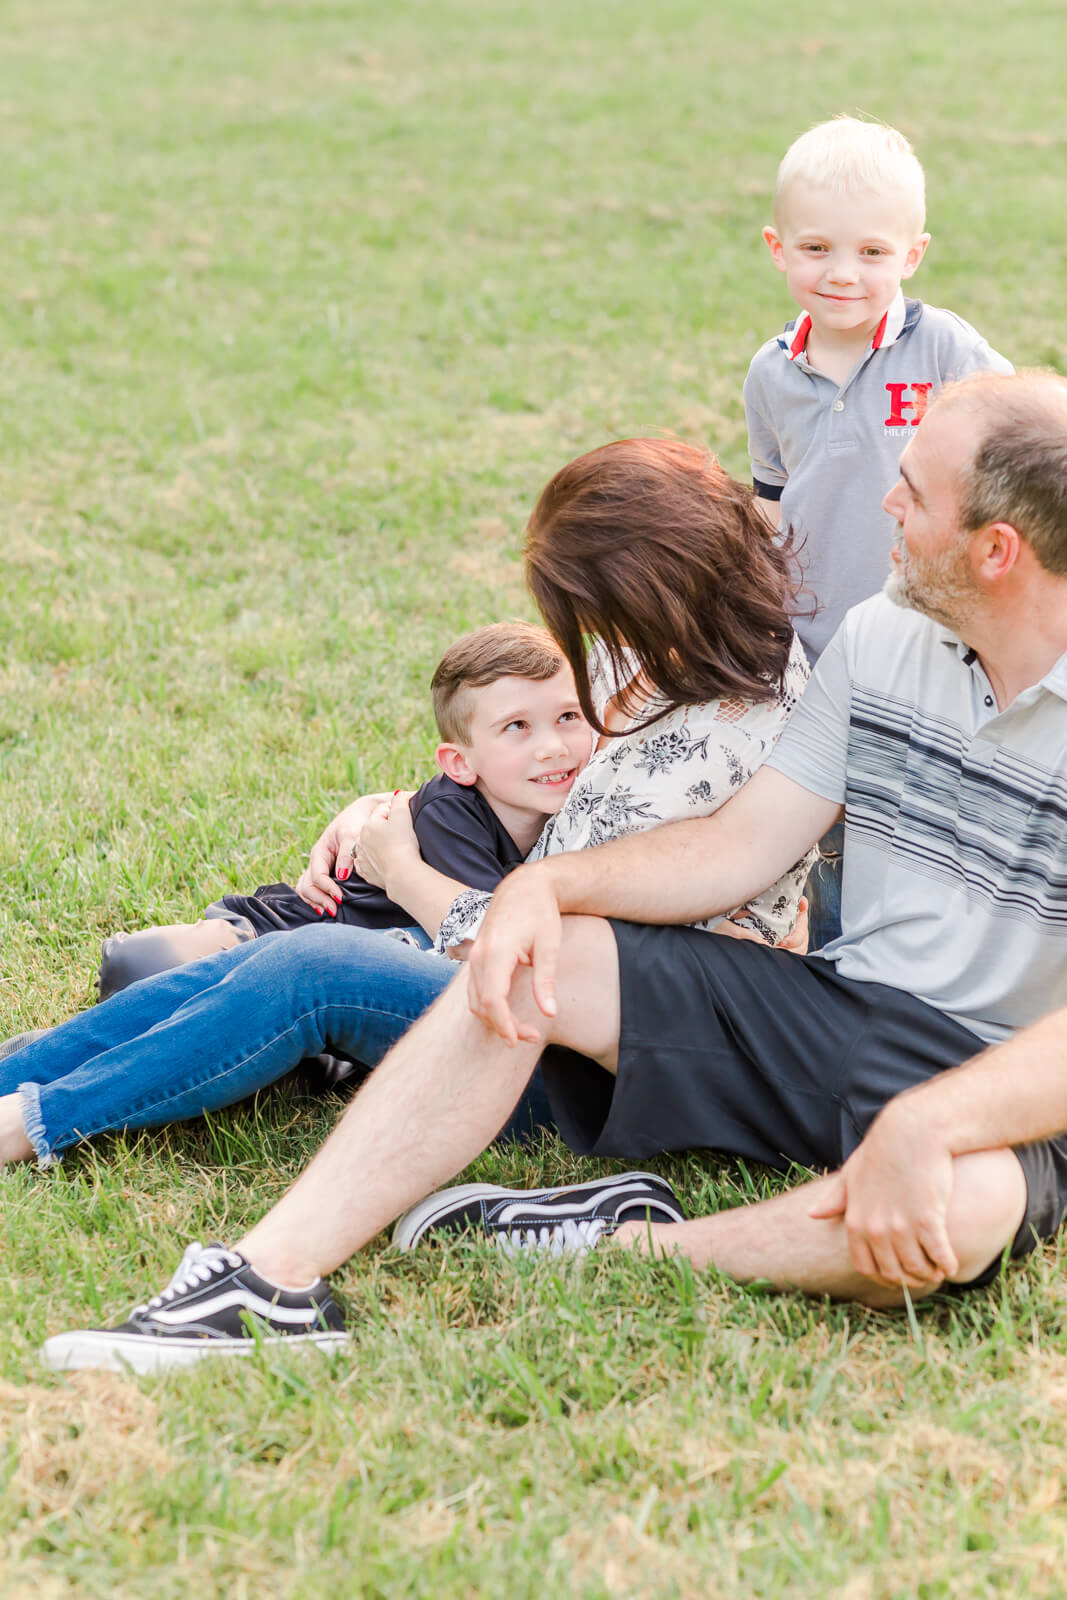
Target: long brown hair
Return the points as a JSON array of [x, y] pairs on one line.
[[652, 547]]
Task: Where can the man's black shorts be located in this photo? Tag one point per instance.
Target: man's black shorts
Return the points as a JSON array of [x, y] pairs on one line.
[[728, 1045]]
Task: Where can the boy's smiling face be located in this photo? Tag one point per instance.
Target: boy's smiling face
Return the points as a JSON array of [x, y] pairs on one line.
[[528, 742], [844, 256]]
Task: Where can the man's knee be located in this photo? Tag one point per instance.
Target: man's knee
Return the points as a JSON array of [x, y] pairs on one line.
[[986, 1210], [586, 1016], [588, 1007]]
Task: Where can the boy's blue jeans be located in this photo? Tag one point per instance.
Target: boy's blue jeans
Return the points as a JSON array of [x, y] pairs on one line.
[[823, 890], [208, 1034]]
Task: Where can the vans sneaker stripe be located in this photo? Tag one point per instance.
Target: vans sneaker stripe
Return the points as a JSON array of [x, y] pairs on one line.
[[202, 1310]]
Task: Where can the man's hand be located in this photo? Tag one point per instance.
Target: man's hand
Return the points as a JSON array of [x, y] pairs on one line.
[[521, 928], [893, 1193], [333, 853]]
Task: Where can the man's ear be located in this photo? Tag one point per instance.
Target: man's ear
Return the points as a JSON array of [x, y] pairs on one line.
[[454, 764], [999, 550], [774, 245], [915, 255]]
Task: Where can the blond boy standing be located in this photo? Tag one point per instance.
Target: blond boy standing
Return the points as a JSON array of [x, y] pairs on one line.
[[832, 401]]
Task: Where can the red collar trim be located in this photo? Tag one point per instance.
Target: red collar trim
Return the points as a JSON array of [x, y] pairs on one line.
[[887, 332], [799, 340]]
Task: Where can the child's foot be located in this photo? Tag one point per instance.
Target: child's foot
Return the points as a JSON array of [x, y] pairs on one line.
[[19, 1041], [14, 1145], [126, 958]]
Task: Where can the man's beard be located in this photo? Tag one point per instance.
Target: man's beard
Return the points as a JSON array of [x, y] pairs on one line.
[[939, 586]]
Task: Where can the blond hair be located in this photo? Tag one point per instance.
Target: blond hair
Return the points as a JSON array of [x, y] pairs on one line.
[[846, 154], [502, 650]]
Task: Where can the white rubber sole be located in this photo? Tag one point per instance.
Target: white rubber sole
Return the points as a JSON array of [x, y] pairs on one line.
[[409, 1229], [132, 1352]]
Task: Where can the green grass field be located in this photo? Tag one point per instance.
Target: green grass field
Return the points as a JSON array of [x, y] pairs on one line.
[[301, 304]]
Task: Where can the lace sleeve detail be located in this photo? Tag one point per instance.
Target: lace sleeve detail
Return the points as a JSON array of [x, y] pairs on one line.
[[462, 919]]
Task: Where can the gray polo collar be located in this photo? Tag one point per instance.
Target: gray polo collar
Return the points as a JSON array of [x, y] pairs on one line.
[[898, 320], [1055, 680]]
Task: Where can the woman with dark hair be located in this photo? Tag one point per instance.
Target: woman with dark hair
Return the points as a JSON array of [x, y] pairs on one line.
[[653, 571], [648, 549]]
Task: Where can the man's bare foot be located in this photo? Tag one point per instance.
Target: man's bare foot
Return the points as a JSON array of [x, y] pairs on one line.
[[14, 1145]]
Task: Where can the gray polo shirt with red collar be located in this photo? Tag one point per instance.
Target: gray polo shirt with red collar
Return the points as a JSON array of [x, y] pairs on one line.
[[830, 453]]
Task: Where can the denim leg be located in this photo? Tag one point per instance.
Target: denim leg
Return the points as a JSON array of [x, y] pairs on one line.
[[823, 890], [125, 1016], [209, 1034]]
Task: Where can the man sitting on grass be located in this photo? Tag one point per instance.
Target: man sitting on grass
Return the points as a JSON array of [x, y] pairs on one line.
[[935, 724]]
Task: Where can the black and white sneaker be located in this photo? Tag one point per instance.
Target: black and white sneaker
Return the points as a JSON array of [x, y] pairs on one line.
[[215, 1304], [571, 1219]]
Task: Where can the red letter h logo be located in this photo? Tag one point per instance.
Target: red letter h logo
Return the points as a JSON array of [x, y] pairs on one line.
[[898, 405]]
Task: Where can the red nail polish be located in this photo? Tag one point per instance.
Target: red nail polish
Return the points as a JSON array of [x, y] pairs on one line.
[[333, 911], [342, 875]]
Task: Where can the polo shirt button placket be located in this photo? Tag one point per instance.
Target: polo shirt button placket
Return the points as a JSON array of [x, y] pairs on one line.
[[981, 754]]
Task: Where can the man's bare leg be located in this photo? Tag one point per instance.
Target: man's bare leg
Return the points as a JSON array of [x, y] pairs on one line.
[[778, 1241], [446, 1089], [437, 1100]]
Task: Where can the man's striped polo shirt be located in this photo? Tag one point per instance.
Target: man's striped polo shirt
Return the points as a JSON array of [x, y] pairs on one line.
[[955, 864]]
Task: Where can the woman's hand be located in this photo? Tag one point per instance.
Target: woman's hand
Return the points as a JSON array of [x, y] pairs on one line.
[[795, 940], [333, 852], [797, 937], [387, 842]]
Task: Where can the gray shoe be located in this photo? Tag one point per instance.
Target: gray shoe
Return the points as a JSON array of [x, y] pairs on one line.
[[19, 1041]]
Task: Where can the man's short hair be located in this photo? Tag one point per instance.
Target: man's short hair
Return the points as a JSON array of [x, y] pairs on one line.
[[1019, 471], [847, 154], [502, 650]]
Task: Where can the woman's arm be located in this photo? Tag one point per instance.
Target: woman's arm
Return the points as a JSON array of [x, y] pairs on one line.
[[334, 852], [388, 855]]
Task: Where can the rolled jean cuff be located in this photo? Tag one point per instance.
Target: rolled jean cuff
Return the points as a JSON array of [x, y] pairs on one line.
[[30, 1097]]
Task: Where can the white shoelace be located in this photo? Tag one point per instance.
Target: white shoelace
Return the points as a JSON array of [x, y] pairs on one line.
[[572, 1236], [198, 1265]]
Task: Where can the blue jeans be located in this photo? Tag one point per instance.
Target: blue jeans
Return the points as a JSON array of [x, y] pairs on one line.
[[823, 890], [206, 1035]]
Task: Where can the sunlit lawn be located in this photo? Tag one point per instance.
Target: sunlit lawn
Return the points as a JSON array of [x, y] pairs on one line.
[[301, 304]]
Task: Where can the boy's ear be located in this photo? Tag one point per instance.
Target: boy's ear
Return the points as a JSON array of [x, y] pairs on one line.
[[915, 255], [454, 765], [774, 245]]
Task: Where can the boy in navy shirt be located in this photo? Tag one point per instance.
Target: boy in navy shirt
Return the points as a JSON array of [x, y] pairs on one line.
[[513, 740]]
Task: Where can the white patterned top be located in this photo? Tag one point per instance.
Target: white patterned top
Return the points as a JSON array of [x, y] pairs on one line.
[[685, 764]]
